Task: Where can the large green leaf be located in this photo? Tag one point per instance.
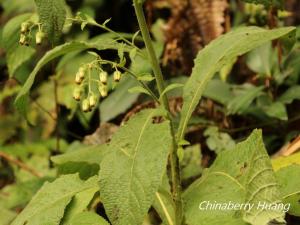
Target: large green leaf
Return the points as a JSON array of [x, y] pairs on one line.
[[48, 205], [212, 58], [243, 175], [132, 173], [289, 181], [52, 16], [21, 101]]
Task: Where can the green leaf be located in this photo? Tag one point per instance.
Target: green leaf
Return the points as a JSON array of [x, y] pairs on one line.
[[191, 163], [290, 95], [6, 216], [132, 173], [246, 178], [21, 101], [241, 102], [289, 182], [218, 141], [217, 54], [52, 16], [79, 204], [48, 205], [164, 204], [88, 218], [285, 161], [218, 91], [277, 110]]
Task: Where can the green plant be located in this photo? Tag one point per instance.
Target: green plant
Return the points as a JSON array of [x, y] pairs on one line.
[[142, 164]]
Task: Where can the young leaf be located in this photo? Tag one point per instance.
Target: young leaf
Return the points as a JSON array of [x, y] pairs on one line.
[[212, 58], [131, 174], [245, 178], [52, 16], [48, 205]]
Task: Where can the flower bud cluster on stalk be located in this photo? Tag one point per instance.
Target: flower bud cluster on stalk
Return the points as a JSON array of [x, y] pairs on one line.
[[26, 28], [84, 80]]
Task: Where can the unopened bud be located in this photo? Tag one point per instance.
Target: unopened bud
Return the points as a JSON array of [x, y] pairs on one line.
[[103, 77], [103, 90], [85, 105], [78, 79], [77, 94], [117, 76], [92, 101], [39, 37], [24, 27], [22, 40]]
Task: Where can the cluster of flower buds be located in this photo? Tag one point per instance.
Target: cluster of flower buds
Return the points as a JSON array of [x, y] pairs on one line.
[[25, 36], [89, 103]]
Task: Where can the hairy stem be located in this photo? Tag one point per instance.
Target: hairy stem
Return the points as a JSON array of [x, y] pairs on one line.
[[174, 162]]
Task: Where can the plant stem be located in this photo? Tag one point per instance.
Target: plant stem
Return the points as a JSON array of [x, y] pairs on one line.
[[174, 162]]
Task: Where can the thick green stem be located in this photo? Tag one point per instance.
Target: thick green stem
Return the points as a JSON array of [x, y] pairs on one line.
[[174, 162]]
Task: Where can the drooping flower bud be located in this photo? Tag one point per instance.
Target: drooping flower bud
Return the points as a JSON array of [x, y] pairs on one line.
[[77, 94], [117, 76], [22, 40], [103, 90], [80, 75], [85, 105], [39, 37], [103, 77], [92, 101], [78, 79], [25, 27]]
